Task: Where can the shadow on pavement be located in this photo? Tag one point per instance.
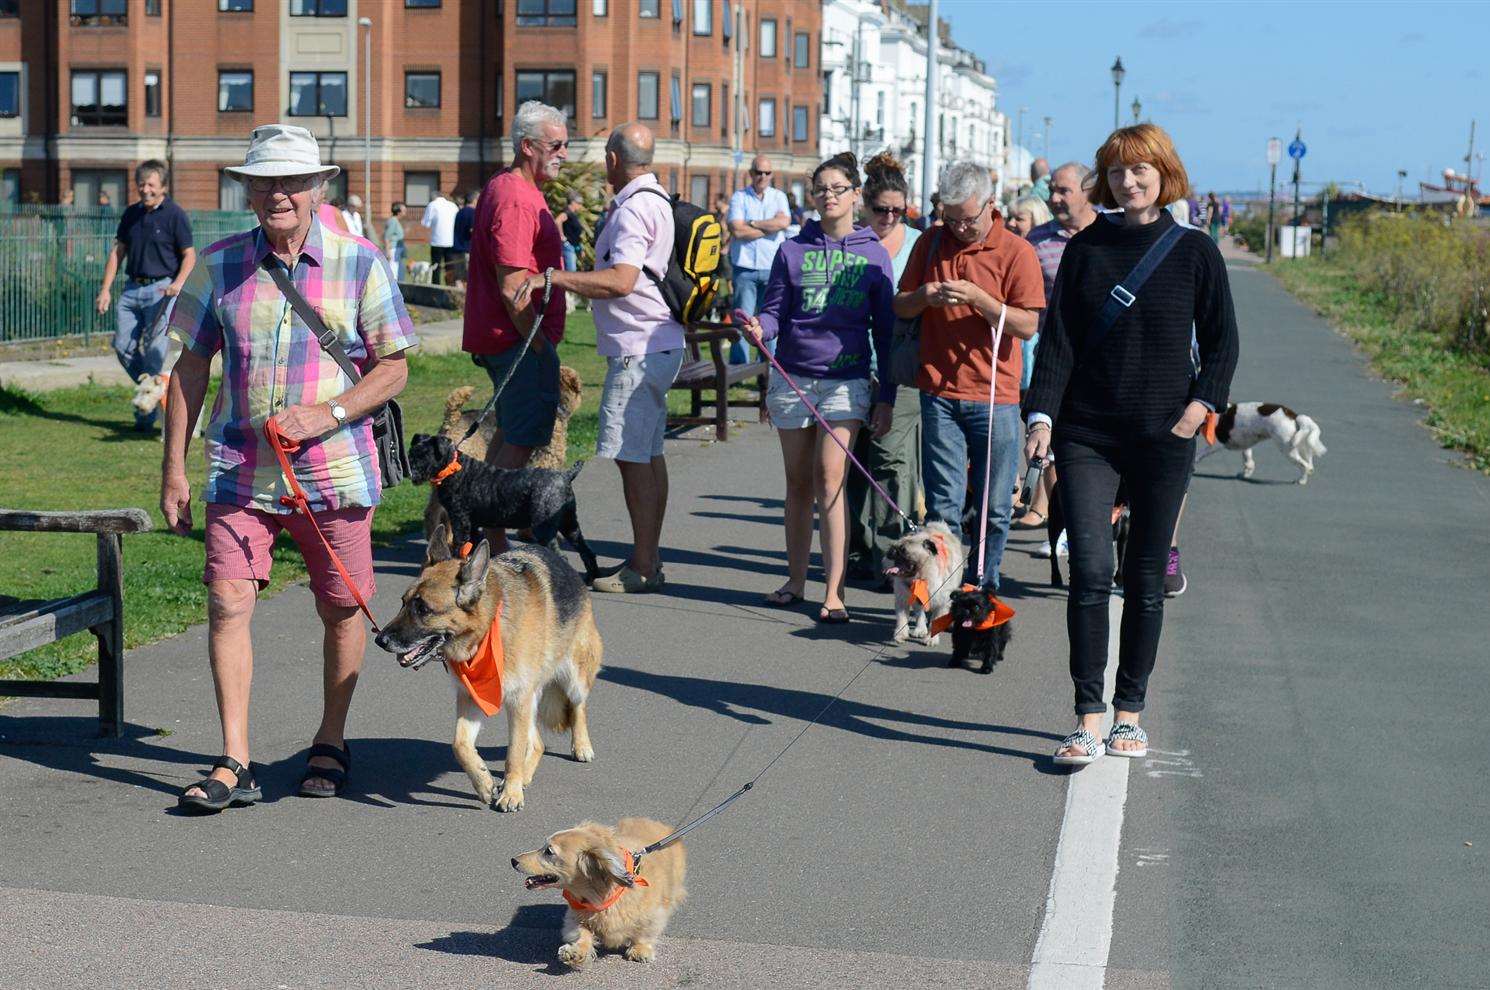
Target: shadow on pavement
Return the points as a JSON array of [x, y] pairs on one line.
[[531, 938], [742, 701], [71, 743]]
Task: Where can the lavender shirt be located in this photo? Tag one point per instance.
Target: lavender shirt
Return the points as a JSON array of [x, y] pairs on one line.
[[638, 232]]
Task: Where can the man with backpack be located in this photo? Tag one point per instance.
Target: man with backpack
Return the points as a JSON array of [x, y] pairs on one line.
[[633, 288]]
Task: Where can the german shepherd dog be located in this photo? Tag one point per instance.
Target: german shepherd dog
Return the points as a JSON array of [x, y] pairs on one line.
[[551, 650]]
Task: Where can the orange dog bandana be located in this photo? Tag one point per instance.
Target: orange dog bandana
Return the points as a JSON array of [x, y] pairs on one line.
[[615, 894], [482, 674], [1001, 614]]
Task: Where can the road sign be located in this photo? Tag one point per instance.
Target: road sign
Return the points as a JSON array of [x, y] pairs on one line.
[[1296, 149], [1275, 150], [739, 158]]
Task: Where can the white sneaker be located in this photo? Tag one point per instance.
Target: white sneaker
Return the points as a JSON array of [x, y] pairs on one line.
[[1062, 547], [1042, 551]]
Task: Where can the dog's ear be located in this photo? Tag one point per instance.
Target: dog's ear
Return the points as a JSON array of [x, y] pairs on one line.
[[418, 439], [471, 582], [439, 545], [607, 863]]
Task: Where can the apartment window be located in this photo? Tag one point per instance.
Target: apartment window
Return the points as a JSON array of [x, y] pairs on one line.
[[99, 12], [546, 13], [10, 94], [768, 37], [318, 8], [426, 4], [787, 38], [420, 188], [235, 90], [553, 86], [597, 94], [879, 109], [421, 90], [677, 12], [727, 24], [599, 8], [646, 95], [100, 187], [698, 191], [649, 8], [231, 195], [698, 112], [799, 123], [99, 98], [766, 126], [235, 7], [724, 109], [152, 8], [675, 100], [10, 8], [803, 58], [10, 186], [703, 17], [318, 94]]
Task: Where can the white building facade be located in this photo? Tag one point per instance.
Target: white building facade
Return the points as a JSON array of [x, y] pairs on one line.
[[874, 92]]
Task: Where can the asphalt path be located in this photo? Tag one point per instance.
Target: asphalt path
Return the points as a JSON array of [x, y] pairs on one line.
[[1302, 821]]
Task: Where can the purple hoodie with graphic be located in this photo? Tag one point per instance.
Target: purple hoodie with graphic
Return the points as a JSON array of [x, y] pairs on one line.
[[824, 299]]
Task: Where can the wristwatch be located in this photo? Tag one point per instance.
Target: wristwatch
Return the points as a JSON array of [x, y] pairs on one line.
[[339, 413]]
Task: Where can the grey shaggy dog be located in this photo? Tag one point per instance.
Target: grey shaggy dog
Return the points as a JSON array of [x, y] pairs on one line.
[[482, 496]]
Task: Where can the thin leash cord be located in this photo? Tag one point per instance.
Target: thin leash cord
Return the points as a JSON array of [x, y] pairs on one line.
[[998, 337], [512, 370]]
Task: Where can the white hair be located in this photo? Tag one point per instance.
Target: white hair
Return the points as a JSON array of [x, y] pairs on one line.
[[1081, 171], [530, 120], [962, 181]]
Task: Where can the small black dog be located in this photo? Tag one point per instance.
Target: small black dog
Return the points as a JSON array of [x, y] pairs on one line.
[[1055, 523], [480, 495], [971, 609]]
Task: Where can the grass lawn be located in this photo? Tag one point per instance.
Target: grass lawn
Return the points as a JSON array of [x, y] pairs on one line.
[[1454, 386], [76, 449]]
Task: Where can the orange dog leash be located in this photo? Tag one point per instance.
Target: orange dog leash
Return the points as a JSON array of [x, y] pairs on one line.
[[283, 447], [615, 894]]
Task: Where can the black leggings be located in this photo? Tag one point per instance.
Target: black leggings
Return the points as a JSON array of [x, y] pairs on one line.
[[1155, 474]]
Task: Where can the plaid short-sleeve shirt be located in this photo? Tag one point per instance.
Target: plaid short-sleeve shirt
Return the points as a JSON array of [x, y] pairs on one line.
[[271, 361]]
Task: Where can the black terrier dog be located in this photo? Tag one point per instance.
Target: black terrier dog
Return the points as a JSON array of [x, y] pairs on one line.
[[479, 495], [972, 610]]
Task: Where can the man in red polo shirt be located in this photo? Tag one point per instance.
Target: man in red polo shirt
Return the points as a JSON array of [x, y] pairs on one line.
[[516, 237], [978, 269]]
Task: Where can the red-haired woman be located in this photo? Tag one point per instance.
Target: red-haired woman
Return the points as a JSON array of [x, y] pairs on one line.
[[1118, 397]]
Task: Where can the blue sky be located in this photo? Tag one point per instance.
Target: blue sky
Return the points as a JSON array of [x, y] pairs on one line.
[[1375, 86]]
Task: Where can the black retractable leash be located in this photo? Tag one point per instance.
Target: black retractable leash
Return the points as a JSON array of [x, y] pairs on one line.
[[548, 290]]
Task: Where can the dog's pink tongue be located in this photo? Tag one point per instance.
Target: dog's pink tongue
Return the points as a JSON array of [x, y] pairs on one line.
[[967, 623], [892, 570]]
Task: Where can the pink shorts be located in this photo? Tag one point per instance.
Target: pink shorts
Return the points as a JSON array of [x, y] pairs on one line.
[[239, 541]]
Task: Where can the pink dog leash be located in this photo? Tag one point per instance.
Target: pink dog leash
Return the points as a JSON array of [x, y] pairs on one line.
[[993, 377]]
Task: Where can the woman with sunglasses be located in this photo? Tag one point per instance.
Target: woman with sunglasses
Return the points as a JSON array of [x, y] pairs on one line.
[[895, 458], [829, 289]]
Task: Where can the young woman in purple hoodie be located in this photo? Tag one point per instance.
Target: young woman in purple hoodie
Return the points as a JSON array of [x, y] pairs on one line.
[[830, 289]]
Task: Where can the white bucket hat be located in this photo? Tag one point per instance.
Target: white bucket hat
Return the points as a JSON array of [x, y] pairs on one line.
[[277, 150]]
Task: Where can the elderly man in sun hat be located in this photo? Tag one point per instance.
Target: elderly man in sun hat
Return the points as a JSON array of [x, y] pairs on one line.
[[275, 367]]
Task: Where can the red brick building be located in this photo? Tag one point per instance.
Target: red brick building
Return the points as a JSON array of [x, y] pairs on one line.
[[88, 88]]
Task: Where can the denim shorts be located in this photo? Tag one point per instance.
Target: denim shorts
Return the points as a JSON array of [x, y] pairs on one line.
[[835, 398], [527, 409], [633, 405]]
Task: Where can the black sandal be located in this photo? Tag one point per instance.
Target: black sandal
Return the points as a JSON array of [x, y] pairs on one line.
[[216, 795], [338, 777]]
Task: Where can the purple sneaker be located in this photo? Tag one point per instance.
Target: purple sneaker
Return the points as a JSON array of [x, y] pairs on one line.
[[1174, 578]]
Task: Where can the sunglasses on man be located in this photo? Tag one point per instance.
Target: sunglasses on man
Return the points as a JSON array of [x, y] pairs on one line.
[[291, 184], [757, 173]]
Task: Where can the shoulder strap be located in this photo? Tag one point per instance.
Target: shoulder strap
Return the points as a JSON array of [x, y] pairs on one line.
[[656, 279], [1125, 292], [324, 335], [655, 192]]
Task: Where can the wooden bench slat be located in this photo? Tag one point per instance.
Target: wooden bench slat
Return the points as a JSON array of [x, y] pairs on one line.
[[93, 521], [49, 689], [52, 621]]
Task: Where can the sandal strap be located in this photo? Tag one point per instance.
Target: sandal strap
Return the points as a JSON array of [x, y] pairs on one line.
[[1128, 730], [245, 774], [213, 790], [1083, 739], [341, 755]]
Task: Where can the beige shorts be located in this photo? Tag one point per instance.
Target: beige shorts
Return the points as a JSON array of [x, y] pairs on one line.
[[837, 399]]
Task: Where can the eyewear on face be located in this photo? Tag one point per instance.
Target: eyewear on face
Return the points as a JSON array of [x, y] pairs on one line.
[[889, 211], [966, 223], [757, 173], [549, 147], [831, 192], [291, 184]]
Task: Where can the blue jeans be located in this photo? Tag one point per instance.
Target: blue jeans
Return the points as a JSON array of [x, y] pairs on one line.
[[400, 257], [954, 432], [140, 342], [571, 257], [750, 290]]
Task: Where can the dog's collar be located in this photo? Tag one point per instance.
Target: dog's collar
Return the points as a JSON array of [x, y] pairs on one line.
[[1001, 614], [614, 895], [447, 470]]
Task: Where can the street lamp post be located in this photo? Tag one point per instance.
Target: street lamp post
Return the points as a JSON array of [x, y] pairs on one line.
[[928, 165], [366, 23], [1401, 174], [1137, 109], [1048, 122], [1117, 89], [1275, 151]]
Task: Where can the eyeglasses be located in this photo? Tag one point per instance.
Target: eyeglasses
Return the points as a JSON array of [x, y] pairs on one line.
[[291, 184], [549, 147], [889, 211], [831, 192], [758, 173], [966, 223]]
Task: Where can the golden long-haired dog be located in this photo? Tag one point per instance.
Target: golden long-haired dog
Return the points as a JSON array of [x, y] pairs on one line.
[[550, 650], [553, 455], [608, 902]]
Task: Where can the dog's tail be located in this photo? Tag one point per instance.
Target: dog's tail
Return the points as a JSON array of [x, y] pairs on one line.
[[1308, 433], [573, 471], [454, 403]]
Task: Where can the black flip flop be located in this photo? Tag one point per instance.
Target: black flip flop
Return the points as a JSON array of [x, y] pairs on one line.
[[782, 599], [216, 795], [338, 777], [833, 616]]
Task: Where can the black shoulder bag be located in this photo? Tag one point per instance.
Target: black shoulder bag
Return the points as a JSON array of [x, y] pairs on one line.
[[905, 345], [388, 422]]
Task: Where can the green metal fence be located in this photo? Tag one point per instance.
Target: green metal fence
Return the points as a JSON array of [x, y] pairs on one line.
[[52, 260]]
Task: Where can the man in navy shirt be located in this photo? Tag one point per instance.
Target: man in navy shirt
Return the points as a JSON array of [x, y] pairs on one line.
[[460, 248], [154, 244]]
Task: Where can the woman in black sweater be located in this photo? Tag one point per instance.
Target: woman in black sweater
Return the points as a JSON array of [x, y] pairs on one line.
[[1124, 406]]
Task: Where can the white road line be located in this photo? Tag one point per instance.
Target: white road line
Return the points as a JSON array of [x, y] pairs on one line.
[[1076, 932]]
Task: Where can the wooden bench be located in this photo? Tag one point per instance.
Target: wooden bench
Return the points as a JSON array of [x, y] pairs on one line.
[[25, 625], [715, 374]]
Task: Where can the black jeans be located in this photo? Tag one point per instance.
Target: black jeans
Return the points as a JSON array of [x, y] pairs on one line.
[[1155, 474]]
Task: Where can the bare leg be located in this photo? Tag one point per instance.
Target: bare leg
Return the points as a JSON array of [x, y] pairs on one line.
[[797, 456], [230, 608], [343, 644], [829, 464], [645, 488]]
